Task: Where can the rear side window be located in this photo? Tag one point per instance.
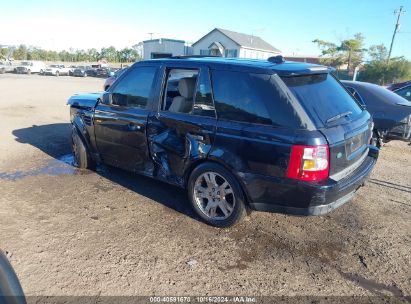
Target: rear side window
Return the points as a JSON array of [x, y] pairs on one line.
[[322, 96], [252, 98], [134, 89]]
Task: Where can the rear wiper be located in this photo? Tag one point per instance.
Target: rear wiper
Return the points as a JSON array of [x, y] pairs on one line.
[[338, 116]]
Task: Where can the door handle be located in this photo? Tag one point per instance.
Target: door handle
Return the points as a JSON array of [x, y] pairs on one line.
[[133, 127]]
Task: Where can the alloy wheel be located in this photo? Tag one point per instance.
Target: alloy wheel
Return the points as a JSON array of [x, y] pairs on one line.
[[214, 196]]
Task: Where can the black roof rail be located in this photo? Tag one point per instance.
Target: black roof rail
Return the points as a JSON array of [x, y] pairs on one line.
[[276, 59], [193, 56]]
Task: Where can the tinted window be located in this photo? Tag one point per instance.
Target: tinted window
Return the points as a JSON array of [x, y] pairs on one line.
[[405, 92], [253, 98], [134, 89], [322, 96], [203, 104]]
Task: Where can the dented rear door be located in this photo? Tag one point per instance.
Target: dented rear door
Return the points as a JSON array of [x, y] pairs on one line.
[[178, 140]]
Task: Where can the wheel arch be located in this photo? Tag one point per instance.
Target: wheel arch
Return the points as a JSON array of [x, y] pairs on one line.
[[81, 130], [217, 161]]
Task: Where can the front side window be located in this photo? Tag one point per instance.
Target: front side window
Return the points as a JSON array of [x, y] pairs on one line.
[[134, 89], [252, 98]]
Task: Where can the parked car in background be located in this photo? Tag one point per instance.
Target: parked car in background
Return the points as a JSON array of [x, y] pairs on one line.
[[391, 113], [109, 81], [84, 71], [103, 72], [29, 67], [395, 86], [71, 69], [5, 67], [280, 143], [404, 92], [57, 70]]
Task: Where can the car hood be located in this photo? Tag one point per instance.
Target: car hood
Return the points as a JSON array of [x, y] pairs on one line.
[[87, 101]]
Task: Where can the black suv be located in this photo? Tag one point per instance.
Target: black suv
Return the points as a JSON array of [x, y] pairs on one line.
[[268, 135]]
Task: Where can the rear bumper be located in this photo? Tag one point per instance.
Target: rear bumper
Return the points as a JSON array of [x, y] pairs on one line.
[[302, 198]]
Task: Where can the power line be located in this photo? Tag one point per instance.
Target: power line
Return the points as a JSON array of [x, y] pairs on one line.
[[399, 12]]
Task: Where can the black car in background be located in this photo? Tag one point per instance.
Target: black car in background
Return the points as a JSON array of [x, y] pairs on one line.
[[391, 113], [84, 71], [404, 92], [271, 135]]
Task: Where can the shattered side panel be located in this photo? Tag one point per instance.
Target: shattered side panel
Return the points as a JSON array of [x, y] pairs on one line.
[[176, 141]]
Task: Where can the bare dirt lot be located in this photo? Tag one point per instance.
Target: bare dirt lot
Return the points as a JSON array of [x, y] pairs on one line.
[[109, 232]]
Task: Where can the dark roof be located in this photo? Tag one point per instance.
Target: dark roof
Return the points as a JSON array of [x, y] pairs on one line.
[[244, 40], [285, 68]]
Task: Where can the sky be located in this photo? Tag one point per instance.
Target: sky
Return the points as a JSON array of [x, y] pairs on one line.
[[288, 25]]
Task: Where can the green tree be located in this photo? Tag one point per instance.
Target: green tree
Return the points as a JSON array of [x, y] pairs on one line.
[[349, 52], [378, 52], [109, 53], [20, 53], [381, 72]]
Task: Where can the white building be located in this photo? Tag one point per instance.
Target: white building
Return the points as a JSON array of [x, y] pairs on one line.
[[163, 47], [226, 43]]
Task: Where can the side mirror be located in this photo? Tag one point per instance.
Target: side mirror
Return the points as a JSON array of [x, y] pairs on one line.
[[105, 99]]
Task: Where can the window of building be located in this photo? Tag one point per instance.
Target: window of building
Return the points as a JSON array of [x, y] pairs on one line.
[[205, 52], [135, 88], [230, 53]]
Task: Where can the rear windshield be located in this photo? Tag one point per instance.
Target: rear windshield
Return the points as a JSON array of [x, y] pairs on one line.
[[322, 97]]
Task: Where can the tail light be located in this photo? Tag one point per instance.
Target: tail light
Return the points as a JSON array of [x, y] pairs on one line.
[[309, 163]]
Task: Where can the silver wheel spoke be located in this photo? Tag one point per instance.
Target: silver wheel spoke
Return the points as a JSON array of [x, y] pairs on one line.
[[224, 209], [210, 179]]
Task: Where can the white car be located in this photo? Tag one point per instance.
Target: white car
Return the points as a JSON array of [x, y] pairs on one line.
[[57, 70], [28, 67], [5, 67]]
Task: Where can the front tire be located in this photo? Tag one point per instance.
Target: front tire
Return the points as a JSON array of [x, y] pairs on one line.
[[82, 158], [57, 74], [216, 196]]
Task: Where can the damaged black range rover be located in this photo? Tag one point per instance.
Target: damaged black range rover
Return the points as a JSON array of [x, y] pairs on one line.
[[265, 135]]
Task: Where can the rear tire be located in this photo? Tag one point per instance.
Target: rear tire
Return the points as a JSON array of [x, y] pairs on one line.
[[216, 195], [28, 72], [82, 158]]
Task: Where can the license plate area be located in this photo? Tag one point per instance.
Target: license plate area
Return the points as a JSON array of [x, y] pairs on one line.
[[353, 144]]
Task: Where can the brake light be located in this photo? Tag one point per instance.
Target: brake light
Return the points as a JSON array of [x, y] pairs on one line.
[[309, 163]]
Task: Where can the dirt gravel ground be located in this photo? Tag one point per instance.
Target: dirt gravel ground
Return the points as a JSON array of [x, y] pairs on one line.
[[70, 232]]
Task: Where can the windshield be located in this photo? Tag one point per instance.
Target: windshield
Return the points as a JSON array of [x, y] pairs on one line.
[[322, 97], [54, 66], [26, 63], [81, 67]]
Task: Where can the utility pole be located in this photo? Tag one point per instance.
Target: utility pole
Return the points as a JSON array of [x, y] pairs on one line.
[[151, 36], [399, 12]]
